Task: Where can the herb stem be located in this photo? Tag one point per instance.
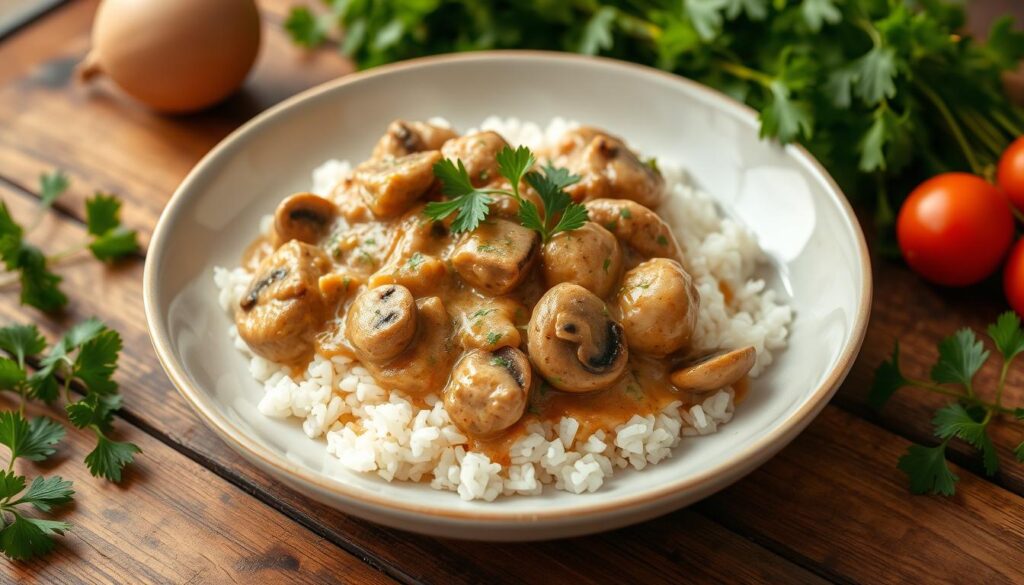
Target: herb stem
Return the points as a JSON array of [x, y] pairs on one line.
[[952, 123], [983, 129], [924, 385], [1006, 123], [745, 73], [65, 254]]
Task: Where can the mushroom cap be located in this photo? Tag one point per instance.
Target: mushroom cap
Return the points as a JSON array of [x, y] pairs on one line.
[[716, 371], [304, 217], [488, 391], [573, 341], [381, 322]]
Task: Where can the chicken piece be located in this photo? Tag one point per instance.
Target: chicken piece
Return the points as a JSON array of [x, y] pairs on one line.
[[283, 309], [390, 186], [607, 168], [589, 256], [478, 152], [488, 392], [403, 138], [658, 306], [644, 233], [496, 256], [493, 324]]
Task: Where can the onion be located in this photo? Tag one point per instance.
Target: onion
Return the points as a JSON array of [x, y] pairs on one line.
[[174, 55]]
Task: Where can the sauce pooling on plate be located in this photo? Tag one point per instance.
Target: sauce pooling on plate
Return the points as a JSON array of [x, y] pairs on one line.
[[507, 322]]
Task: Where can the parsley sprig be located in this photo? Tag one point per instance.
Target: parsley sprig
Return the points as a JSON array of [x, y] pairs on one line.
[[471, 205], [86, 355], [26, 264], [961, 355]]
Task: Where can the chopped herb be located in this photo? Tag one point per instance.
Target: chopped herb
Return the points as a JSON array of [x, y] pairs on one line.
[[486, 248], [480, 314], [652, 162], [500, 361], [413, 264], [607, 264], [625, 213], [611, 225], [662, 240], [494, 337]]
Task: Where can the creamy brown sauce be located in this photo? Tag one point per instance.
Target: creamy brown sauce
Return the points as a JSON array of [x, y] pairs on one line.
[[410, 250]]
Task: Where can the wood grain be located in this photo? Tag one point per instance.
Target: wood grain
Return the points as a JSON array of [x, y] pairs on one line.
[[171, 521], [680, 546]]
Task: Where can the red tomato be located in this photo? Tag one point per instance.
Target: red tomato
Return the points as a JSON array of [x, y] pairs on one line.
[[954, 229], [1013, 278], [1010, 173]]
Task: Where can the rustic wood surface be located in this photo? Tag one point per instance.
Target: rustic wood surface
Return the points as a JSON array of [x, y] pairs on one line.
[[831, 507]]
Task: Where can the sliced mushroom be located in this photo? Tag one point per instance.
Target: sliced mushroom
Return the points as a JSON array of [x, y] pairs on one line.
[[424, 366], [403, 138], [497, 256], [573, 342], [488, 392], [304, 217], [646, 234], [391, 185], [608, 168], [589, 256], [283, 307], [381, 323], [478, 152], [716, 371], [658, 306]]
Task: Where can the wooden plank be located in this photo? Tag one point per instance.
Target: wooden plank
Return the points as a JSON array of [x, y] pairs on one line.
[[171, 521], [683, 545], [103, 139], [834, 496]]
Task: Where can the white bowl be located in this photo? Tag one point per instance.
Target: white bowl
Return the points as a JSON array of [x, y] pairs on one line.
[[798, 213]]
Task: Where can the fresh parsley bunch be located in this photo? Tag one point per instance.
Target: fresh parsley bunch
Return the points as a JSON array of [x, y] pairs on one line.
[[968, 418], [86, 355], [884, 92], [107, 240], [471, 205]]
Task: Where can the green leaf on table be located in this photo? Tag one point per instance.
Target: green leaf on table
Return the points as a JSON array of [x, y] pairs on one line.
[[1007, 335], [22, 341], [43, 494], [960, 357], [109, 458], [40, 288], [25, 537], [11, 484], [10, 238], [32, 440], [94, 410], [818, 13], [953, 420], [96, 362], [927, 470], [304, 27], [888, 379], [51, 186], [11, 374], [110, 239], [597, 32]]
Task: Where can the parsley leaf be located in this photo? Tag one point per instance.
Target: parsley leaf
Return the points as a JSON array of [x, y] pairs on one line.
[[11, 374], [513, 164], [818, 13], [43, 494], [96, 361], [875, 75], [39, 286], [304, 27], [960, 357], [927, 470], [469, 202], [29, 440], [1007, 335], [954, 421], [22, 341], [110, 240], [597, 33], [51, 186], [110, 457], [94, 411], [27, 537], [550, 186], [786, 118], [888, 379]]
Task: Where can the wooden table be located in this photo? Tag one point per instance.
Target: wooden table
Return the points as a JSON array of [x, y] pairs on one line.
[[831, 507]]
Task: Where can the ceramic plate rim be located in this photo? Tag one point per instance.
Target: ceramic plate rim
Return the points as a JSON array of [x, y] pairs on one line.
[[740, 463]]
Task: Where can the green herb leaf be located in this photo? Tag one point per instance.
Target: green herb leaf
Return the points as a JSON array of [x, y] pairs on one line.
[[875, 75], [43, 494], [927, 470], [110, 457], [706, 16], [96, 362], [11, 374], [304, 27], [597, 32], [470, 204], [33, 440], [22, 341], [818, 13], [954, 421], [94, 411], [11, 484], [25, 537], [785, 118], [51, 186], [888, 379], [1007, 335], [960, 357], [513, 164], [40, 288], [110, 239]]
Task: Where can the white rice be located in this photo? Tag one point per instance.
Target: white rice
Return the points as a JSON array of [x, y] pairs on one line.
[[386, 434]]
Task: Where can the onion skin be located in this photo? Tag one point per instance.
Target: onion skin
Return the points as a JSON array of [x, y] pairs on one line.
[[175, 56]]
